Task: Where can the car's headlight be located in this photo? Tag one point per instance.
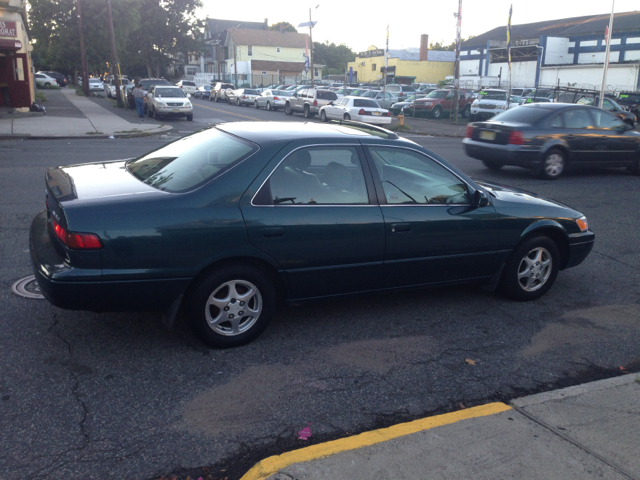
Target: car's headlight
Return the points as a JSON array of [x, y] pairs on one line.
[[187, 104], [161, 104], [582, 223], [475, 103]]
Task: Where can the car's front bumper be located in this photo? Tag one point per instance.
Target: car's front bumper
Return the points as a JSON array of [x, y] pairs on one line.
[[175, 111], [517, 155], [580, 245]]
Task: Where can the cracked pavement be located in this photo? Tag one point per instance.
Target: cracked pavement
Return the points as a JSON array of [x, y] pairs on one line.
[[117, 396]]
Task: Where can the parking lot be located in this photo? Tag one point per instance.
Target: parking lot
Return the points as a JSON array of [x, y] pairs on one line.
[[100, 396]]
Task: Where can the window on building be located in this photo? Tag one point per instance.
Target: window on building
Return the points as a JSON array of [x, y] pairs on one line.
[[373, 67], [192, 71], [263, 73], [316, 73], [250, 51], [277, 49]]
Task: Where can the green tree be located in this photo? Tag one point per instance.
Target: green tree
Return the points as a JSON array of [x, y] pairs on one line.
[[335, 57], [283, 27]]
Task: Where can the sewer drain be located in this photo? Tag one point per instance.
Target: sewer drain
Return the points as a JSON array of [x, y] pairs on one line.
[[27, 287]]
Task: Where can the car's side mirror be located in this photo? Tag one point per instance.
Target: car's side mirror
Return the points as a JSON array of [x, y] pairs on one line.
[[481, 199], [330, 103]]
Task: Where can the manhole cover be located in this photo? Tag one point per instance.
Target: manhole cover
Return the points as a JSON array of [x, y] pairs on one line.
[[27, 287]]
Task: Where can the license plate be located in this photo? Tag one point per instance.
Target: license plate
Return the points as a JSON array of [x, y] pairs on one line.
[[376, 113], [176, 110], [488, 135]]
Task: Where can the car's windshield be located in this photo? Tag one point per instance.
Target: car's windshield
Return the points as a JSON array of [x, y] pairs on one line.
[[95, 80], [492, 95], [190, 162], [438, 94], [169, 92], [363, 102]]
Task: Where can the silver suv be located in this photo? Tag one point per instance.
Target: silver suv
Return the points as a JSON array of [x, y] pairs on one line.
[[308, 101], [219, 91], [402, 91]]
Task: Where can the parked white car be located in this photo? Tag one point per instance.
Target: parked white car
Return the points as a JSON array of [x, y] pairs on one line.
[[490, 102], [356, 108], [96, 85], [168, 101], [272, 99], [111, 87], [242, 96], [187, 86], [44, 80]]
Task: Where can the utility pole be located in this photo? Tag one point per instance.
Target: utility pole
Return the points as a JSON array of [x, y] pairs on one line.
[[114, 55], [311, 47], [456, 72], [606, 57], [235, 64], [83, 53]]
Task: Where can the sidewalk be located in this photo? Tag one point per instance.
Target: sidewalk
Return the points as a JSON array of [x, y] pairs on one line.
[[80, 118], [584, 432]]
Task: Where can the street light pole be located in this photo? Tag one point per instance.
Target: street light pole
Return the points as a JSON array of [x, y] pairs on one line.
[[456, 72], [606, 58], [83, 54]]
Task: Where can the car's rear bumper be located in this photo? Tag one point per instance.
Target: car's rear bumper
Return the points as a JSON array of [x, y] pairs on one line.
[[83, 289], [580, 246], [518, 155], [372, 119]]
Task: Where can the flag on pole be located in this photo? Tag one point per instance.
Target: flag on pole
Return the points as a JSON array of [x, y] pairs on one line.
[[306, 56], [509, 36]]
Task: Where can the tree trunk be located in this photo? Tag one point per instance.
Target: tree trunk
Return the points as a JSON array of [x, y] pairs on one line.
[[149, 74]]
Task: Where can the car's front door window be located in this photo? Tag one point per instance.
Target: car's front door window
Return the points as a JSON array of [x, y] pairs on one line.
[[318, 176], [607, 120], [409, 177]]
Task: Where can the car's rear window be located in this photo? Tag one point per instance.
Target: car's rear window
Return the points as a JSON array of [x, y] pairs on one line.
[[629, 97], [492, 95], [408, 89], [363, 102], [327, 95], [190, 162], [251, 92], [526, 115]]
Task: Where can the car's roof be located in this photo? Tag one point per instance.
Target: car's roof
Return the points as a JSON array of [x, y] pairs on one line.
[[267, 132]]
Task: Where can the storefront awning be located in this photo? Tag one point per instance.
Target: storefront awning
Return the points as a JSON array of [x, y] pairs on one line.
[[10, 45]]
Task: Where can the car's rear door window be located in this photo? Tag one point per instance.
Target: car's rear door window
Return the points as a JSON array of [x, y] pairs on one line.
[[190, 162], [606, 120], [317, 176]]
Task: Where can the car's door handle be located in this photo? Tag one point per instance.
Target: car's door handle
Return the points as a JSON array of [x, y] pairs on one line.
[[272, 232], [400, 227]]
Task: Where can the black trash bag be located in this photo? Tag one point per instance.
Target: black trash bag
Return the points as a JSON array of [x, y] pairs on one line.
[[37, 108]]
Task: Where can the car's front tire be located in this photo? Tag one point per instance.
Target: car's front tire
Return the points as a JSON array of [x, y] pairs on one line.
[[466, 111], [323, 116], [269, 106], [287, 109], [190, 117], [437, 112], [553, 165], [232, 306], [307, 112], [531, 269]]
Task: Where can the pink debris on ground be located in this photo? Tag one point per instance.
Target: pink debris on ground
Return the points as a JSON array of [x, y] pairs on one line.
[[305, 433]]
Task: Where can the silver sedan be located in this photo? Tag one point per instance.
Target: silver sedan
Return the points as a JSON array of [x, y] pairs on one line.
[[272, 99], [242, 96]]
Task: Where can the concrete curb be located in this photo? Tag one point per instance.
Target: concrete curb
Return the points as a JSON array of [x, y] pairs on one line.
[[149, 133], [269, 466]]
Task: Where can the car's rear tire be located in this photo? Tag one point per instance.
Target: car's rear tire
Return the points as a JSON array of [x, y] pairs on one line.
[[323, 116], [256, 106], [190, 117], [531, 269], [437, 112], [269, 106], [347, 116], [232, 306], [287, 109], [553, 165], [492, 165], [238, 102], [307, 112]]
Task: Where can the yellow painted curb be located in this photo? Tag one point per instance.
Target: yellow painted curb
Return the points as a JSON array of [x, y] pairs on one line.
[[224, 111], [271, 465]]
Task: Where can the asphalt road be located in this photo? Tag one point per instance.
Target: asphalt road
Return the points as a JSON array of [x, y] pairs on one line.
[[117, 396]]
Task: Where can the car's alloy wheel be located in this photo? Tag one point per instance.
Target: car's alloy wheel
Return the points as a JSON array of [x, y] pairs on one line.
[[437, 112], [269, 106], [531, 270], [232, 306], [553, 165], [307, 111], [323, 116], [287, 109]]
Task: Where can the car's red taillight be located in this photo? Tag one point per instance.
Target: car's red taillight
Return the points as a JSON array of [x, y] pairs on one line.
[[388, 114], [516, 138], [363, 112], [469, 132], [76, 241], [315, 103], [276, 98]]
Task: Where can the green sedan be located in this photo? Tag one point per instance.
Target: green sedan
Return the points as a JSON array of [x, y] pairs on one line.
[[228, 223]]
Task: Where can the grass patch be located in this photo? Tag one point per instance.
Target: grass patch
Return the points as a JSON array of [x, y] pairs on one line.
[[41, 97], [79, 91], [399, 128], [94, 133]]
